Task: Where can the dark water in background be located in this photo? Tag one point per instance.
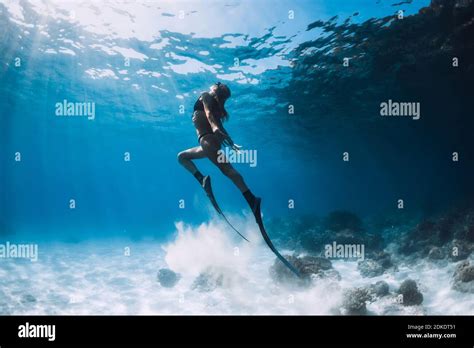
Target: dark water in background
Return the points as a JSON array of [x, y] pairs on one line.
[[283, 62]]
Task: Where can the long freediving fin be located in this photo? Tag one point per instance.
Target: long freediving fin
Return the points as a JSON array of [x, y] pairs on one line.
[[207, 187], [225, 218], [258, 218]]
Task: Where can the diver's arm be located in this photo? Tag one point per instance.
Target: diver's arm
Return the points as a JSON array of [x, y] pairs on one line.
[[227, 139], [223, 130]]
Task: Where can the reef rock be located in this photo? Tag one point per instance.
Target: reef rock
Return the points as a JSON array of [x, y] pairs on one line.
[[308, 266], [312, 234], [376, 265], [411, 295], [436, 253], [316, 241], [463, 277], [208, 281], [167, 278], [354, 301], [460, 250], [449, 235], [379, 289], [370, 268]]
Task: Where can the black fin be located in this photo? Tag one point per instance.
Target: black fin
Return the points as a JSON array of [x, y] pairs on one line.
[[207, 187], [258, 218]]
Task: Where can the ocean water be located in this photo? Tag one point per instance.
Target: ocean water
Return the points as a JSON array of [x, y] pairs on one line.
[[142, 64]]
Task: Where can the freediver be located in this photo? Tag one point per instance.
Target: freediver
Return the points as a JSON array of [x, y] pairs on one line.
[[208, 117]]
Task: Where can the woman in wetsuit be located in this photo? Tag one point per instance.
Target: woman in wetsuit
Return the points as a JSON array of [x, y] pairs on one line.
[[209, 114]]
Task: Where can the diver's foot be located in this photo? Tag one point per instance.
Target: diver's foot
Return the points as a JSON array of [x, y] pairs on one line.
[[206, 185]]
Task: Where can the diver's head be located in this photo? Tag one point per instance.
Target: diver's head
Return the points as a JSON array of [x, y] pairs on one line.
[[221, 91]]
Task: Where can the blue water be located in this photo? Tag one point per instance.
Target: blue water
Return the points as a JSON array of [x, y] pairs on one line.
[[143, 62], [136, 112]]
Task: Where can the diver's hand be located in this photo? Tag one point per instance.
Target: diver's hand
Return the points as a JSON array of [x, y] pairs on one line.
[[230, 143], [236, 147], [227, 140]]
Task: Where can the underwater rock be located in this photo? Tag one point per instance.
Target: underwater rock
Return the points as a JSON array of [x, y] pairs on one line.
[[411, 295], [464, 272], [464, 227], [292, 232], [436, 253], [342, 228], [460, 250], [383, 258], [308, 266], [167, 278], [354, 301], [312, 234], [311, 239], [379, 289], [463, 277], [376, 265], [450, 234], [316, 239], [208, 281], [420, 238], [370, 268], [347, 236]]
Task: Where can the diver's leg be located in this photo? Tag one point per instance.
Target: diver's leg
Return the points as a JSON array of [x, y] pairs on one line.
[[226, 168], [211, 147], [185, 159]]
